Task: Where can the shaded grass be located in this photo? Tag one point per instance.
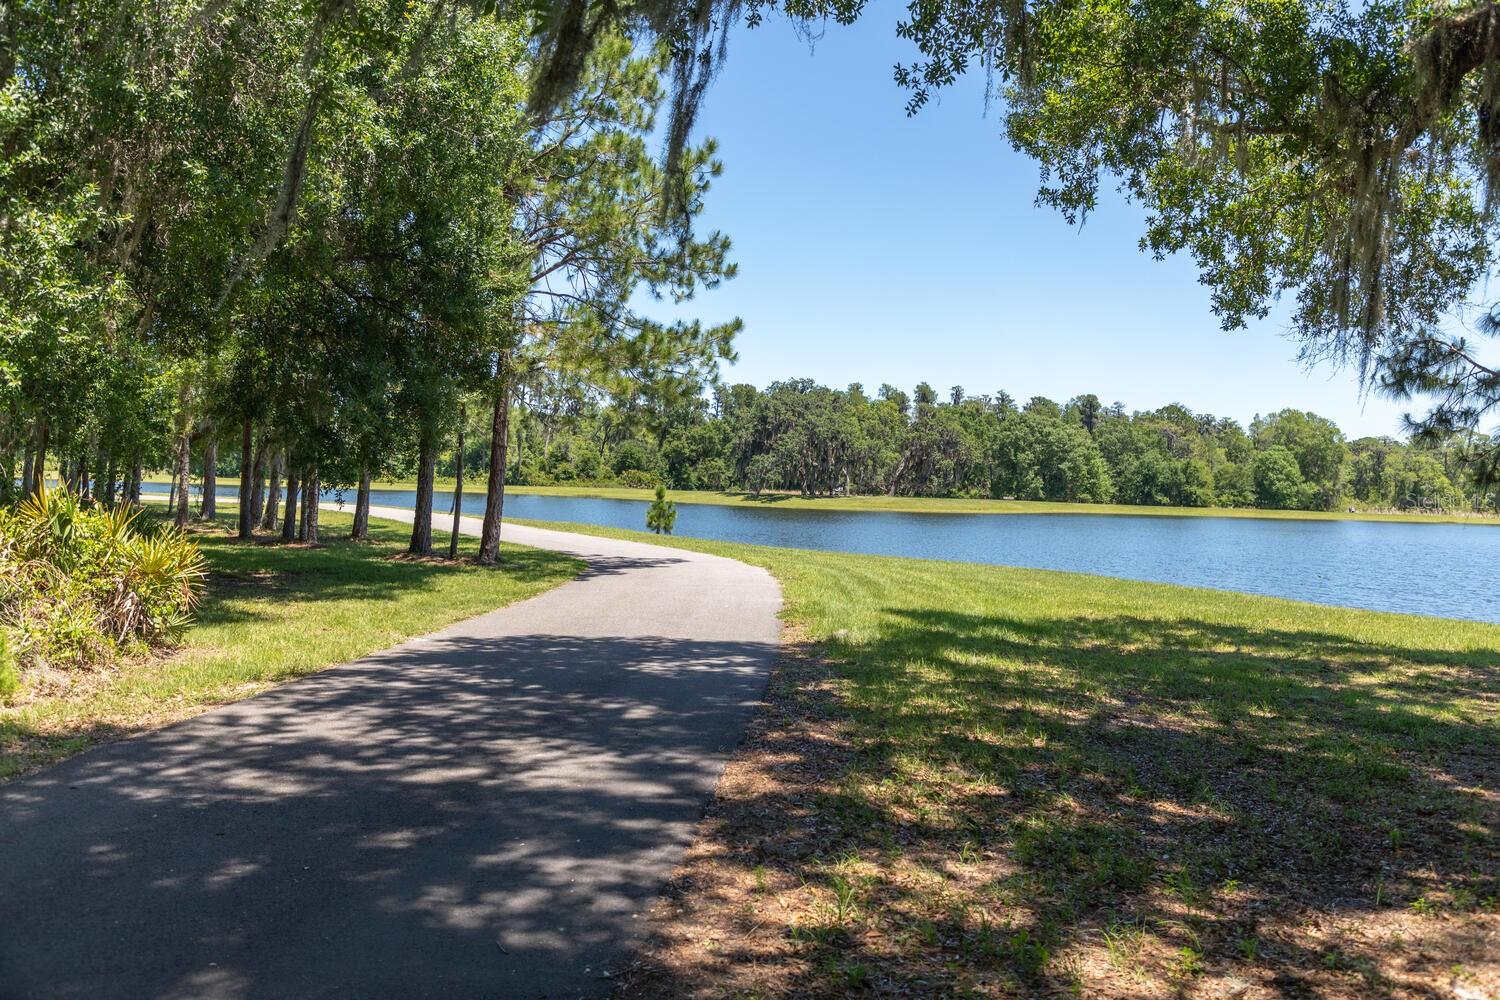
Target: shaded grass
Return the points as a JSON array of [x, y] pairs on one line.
[[272, 613], [979, 780], [938, 505]]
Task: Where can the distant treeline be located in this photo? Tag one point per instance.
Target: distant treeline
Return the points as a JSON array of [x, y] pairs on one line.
[[798, 435]]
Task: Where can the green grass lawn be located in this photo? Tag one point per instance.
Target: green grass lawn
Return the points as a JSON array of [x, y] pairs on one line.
[[1022, 781], [934, 505], [272, 613]]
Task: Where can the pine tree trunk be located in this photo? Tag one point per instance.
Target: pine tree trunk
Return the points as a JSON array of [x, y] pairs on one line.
[[361, 529], [111, 480], [421, 525], [257, 482], [269, 520], [289, 519], [247, 485], [458, 483], [494, 496], [520, 433], [27, 461], [183, 457], [210, 507], [313, 491], [136, 473]]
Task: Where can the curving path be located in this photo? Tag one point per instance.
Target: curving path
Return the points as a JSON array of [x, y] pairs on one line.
[[482, 812]]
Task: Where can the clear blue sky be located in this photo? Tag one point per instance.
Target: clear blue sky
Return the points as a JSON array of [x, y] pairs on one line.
[[879, 248]]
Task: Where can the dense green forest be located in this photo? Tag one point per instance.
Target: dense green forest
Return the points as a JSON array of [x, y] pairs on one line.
[[797, 435], [314, 240], [300, 240]]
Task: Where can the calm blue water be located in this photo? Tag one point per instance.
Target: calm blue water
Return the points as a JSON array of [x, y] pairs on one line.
[[1432, 569]]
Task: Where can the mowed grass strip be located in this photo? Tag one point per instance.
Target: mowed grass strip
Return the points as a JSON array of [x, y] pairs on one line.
[[270, 613], [977, 780]]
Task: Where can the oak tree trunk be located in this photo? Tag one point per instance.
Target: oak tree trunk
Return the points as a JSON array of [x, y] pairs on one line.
[[289, 519], [269, 519], [421, 526], [306, 479], [494, 496], [458, 483], [210, 507], [247, 484], [257, 481], [361, 529], [110, 481], [39, 468], [184, 452], [312, 491]]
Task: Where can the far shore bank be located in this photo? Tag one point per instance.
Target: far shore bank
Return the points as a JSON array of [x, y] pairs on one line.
[[932, 505]]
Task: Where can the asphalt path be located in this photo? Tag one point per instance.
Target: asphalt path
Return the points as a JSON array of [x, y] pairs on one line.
[[486, 811]]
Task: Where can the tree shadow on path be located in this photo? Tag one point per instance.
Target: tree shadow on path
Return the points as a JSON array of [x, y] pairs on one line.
[[457, 817]]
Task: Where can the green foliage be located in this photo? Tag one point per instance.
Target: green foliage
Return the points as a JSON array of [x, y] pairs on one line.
[[661, 516], [634, 455], [79, 586], [1278, 480], [10, 671], [270, 614], [818, 441]]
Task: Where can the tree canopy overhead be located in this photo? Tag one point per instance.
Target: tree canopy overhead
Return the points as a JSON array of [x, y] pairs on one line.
[[1342, 156]]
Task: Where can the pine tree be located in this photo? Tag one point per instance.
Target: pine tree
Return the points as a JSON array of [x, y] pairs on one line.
[[663, 513]]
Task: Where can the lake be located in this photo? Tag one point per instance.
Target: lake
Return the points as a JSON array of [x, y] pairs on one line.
[[1432, 569]]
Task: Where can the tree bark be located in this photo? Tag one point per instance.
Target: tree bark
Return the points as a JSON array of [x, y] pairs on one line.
[[134, 494], [111, 479], [247, 484], [184, 451], [27, 461], [268, 519], [39, 470], [312, 491], [361, 529], [257, 479], [458, 483], [494, 496], [421, 525], [302, 526], [289, 519], [209, 509]]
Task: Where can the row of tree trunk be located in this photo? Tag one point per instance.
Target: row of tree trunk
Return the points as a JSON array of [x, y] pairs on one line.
[[94, 475], [265, 467]]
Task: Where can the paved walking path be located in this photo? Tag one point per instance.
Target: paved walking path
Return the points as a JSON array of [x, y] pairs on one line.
[[483, 812]]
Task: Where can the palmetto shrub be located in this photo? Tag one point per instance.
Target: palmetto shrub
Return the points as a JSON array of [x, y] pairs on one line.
[[79, 586]]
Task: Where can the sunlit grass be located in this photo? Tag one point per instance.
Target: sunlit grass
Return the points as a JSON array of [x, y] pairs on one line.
[[1058, 779], [272, 613]]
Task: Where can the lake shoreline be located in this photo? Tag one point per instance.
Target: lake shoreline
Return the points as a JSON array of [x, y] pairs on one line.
[[1437, 570], [929, 505]]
